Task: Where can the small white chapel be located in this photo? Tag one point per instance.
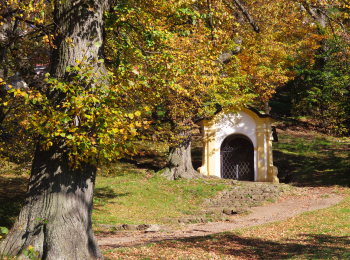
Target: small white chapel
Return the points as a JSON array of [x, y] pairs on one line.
[[239, 146]]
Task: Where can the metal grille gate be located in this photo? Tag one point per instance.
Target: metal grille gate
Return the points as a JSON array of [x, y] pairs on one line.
[[237, 159]]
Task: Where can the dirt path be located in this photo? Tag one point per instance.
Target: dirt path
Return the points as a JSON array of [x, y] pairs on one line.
[[307, 199]]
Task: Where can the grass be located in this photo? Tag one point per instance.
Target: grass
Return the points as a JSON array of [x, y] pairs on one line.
[[13, 185], [313, 159], [131, 195]]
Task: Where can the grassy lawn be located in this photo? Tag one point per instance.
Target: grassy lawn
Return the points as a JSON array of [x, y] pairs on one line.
[[13, 185], [135, 196], [313, 159]]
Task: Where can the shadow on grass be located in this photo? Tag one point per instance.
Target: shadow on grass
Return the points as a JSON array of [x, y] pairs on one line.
[[304, 170], [103, 196], [107, 193], [147, 165], [309, 246], [12, 192]]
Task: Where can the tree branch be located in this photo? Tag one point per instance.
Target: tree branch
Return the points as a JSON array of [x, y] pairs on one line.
[[246, 14], [317, 16], [211, 22]]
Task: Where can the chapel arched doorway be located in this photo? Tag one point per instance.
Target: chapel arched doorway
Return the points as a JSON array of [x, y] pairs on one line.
[[237, 158]]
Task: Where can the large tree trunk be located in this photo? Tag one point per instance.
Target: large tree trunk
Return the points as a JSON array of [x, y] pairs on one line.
[[179, 164], [56, 218], [5, 35]]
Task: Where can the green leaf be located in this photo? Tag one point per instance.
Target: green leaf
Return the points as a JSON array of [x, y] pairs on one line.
[[66, 119], [4, 230], [97, 43]]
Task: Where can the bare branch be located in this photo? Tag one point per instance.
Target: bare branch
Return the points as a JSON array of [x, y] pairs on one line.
[[318, 16], [246, 14], [211, 22]]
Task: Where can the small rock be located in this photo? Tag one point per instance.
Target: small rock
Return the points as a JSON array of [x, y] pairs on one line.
[[200, 220], [241, 210], [227, 211], [153, 228], [255, 197], [105, 226], [116, 227], [143, 227], [129, 227], [184, 220], [257, 192], [192, 220]]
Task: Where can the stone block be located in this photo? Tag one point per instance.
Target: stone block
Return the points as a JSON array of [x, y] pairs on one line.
[[153, 228], [267, 195], [227, 211], [130, 227], [256, 197], [200, 220], [242, 210], [143, 227], [213, 211], [257, 192], [183, 220], [116, 227]]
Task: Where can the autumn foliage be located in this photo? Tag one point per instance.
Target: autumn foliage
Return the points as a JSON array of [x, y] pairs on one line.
[[163, 69]]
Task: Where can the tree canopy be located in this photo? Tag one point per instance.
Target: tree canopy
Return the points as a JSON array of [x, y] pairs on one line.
[[161, 57]]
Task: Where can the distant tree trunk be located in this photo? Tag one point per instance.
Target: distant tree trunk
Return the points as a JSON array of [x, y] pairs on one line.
[[179, 164], [5, 35], [56, 217]]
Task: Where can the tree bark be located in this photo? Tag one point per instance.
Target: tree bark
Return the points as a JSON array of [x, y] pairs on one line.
[[179, 164], [56, 217], [5, 35]]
